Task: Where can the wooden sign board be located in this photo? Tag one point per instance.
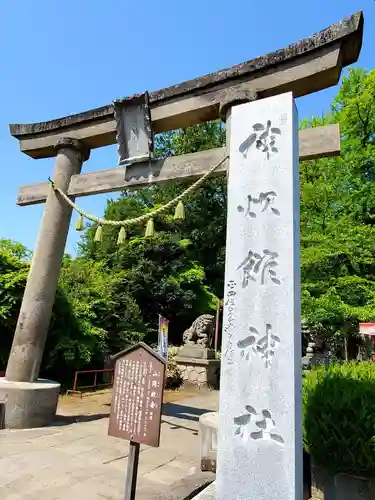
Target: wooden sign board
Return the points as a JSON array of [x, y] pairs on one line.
[[138, 396]]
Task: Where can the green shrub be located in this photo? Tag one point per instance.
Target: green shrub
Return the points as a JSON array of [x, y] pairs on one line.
[[173, 376], [173, 350], [339, 417]]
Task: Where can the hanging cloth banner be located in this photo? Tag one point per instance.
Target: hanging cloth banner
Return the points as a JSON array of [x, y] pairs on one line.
[[163, 337]]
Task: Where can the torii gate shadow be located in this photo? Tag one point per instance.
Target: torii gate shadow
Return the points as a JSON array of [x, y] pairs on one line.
[[182, 412]]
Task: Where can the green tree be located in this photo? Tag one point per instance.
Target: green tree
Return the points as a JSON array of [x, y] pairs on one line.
[[110, 295], [178, 273], [13, 275], [337, 214], [16, 249], [92, 318]]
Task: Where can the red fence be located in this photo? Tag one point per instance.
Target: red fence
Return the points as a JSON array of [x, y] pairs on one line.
[[78, 389]]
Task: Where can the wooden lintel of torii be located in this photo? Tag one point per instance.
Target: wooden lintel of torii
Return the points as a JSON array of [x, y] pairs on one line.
[[304, 67], [313, 143]]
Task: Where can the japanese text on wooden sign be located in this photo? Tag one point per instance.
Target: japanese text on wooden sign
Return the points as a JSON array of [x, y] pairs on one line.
[[138, 396]]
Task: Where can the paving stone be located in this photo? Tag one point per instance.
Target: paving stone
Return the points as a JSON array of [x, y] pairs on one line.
[[79, 461]]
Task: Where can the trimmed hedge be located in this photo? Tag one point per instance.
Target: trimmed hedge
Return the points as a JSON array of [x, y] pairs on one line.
[[339, 417]]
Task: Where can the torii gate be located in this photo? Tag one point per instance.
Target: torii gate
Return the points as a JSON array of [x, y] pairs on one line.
[[301, 68]]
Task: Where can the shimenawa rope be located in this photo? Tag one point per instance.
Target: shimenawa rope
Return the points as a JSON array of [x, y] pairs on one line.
[[142, 218]]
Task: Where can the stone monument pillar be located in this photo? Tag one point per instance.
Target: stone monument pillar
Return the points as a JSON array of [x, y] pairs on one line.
[[260, 418]]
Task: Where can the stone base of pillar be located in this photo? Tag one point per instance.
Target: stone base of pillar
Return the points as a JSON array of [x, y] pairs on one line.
[[29, 404], [208, 429], [208, 493], [202, 373]]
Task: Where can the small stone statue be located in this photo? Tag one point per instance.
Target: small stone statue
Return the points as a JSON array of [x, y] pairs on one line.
[[201, 331], [306, 337], [317, 351]]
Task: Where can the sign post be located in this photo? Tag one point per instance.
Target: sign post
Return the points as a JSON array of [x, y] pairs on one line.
[[136, 405], [132, 471], [163, 337]]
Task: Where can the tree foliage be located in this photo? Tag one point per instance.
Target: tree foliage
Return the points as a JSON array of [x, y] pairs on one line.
[[13, 274], [337, 219], [110, 295], [93, 317], [180, 271]]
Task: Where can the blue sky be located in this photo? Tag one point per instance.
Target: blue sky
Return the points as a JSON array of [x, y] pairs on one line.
[[60, 58]]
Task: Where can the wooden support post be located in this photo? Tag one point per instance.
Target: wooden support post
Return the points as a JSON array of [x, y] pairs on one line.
[[132, 471], [33, 321], [75, 382]]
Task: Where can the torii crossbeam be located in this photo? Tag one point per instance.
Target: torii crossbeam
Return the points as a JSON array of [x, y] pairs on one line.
[[302, 68]]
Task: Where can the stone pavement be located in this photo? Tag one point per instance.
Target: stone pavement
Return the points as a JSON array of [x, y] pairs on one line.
[[79, 461]]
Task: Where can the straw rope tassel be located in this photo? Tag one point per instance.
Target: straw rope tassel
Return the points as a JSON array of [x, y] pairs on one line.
[[150, 229], [180, 211], [98, 234], [79, 225], [145, 218], [121, 236]]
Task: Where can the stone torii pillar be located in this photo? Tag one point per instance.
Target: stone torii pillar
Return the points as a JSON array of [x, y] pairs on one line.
[[34, 317], [31, 403], [301, 68]]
